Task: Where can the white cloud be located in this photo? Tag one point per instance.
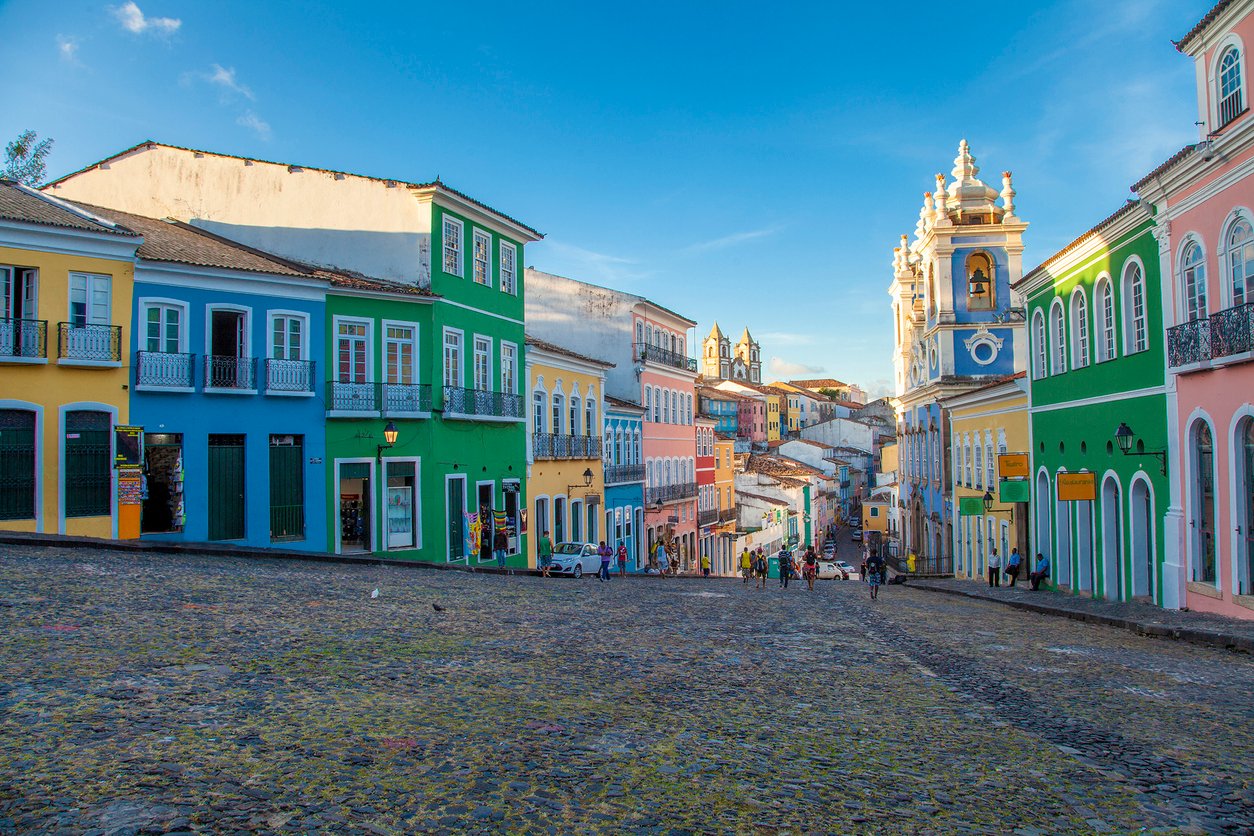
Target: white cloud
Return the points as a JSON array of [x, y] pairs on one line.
[[731, 240], [224, 77], [589, 265], [255, 122], [134, 20], [779, 367], [67, 47]]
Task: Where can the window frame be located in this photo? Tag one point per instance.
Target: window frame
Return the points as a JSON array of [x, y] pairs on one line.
[[414, 344], [509, 350], [1058, 329], [460, 355], [1238, 219], [148, 303], [1080, 344], [486, 354], [298, 316], [1225, 113], [1135, 326], [368, 340], [476, 236], [509, 275], [1040, 353], [1196, 304], [448, 222], [1104, 312]]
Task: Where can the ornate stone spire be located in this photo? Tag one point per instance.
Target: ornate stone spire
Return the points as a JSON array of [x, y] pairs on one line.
[[942, 200], [1007, 195], [968, 195], [715, 333]]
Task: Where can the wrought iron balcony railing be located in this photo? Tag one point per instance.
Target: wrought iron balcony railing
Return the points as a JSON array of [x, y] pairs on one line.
[[289, 375], [558, 446], [666, 357], [23, 338], [728, 514], [1232, 331], [227, 372], [1188, 343], [97, 343], [406, 398], [617, 474], [343, 396], [161, 368], [481, 403], [670, 493], [708, 517]]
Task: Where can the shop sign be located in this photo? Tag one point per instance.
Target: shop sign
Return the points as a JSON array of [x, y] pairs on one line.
[[1077, 487], [1014, 466], [128, 446]]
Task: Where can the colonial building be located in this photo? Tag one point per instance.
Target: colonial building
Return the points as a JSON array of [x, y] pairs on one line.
[[957, 327], [624, 479], [720, 361]]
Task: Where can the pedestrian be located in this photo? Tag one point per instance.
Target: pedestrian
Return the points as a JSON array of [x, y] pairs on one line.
[[606, 554], [622, 559], [761, 569], [500, 545], [546, 554], [663, 562], [1013, 564], [811, 568], [705, 565], [1041, 572], [746, 564], [994, 569], [875, 574], [785, 567]]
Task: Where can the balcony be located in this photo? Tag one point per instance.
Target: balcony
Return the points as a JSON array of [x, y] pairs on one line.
[[652, 353], [728, 514], [556, 446], [89, 344], [164, 370], [290, 377], [353, 399], [708, 517], [617, 474], [225, 373], [1232, 331], [482, 404], [407, 399], [670, 493], [23, 339], [1188, 343]]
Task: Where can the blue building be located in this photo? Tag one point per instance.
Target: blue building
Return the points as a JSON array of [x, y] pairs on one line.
[[957, 328], [722, 407], [624, 479], [224, 349]]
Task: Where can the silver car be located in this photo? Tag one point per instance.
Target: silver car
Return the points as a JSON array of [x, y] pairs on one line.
[[576, 559]]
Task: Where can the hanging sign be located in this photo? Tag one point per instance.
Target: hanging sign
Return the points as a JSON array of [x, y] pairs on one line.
[[1077, 487], [1014, 490], [970, 506], [128, 446], [1014, 466]]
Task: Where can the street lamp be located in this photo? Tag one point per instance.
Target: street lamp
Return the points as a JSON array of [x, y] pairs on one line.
[[988, 506], [587, 481], [1125, 437], [389, 435]]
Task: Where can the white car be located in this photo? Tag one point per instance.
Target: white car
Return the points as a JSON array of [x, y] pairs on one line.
[[849, 572], [576, 559], [828, 570]]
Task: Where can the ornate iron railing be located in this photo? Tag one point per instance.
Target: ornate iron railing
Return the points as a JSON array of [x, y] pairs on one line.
[[160, 368], [707, 517], [406, 397], [1232, 331], [616, 474], [666, 357], [23, 338], [89, 342], [481, 403], [343, 396], [558, 446], [728, 514], [226, 372], [1188, 343], [289, 375], [670, 493]]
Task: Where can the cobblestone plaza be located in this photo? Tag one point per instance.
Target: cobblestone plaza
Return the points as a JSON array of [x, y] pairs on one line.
[[161, 693]]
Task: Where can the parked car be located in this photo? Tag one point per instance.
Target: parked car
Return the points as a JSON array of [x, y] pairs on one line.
[[576, 559], [856, 535], [829, 570], [847, 570]]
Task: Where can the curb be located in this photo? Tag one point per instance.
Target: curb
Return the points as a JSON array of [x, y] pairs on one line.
[[1193, 635]]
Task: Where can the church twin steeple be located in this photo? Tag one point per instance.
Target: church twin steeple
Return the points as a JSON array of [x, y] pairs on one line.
[[720, 362]]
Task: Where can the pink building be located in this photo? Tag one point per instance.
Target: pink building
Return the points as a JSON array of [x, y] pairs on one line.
[[751, 419], [668, 394], [1204, 202]]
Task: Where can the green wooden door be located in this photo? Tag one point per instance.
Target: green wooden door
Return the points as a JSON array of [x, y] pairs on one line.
[[88, 464], [17, 464], [456, 522], [226, 487], [287, 488]]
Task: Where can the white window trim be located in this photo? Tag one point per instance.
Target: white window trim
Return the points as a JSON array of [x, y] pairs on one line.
[[414, 341], [461, 241], [474, 350], [69, 305], [1081, 334], [336, 321], [513, 249], [449, 477], [1214, 95], [1058, 353], [271, 316], [1227, 297], [461, 357], [417, 510], [504, 345], [475, 234], [1103, 351], [1182, 315], [146, 302]]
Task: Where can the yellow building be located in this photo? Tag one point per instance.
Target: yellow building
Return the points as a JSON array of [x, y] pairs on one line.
[[565, 473], [989, 450], [875, 512], [725, 488], [776, 412], [66, 281]]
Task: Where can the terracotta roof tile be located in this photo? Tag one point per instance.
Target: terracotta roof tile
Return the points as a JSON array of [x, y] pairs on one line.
[[1168, 164], [1206, 20], [1101, 225], [24, 204], [566, 352]]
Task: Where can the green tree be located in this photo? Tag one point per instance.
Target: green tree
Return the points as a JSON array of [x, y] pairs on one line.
[[24, 159]]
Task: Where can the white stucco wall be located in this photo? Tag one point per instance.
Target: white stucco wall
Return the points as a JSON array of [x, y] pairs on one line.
[[841, 432]]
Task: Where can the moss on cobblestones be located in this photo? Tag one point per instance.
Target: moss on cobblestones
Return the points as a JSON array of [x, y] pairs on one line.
[[165, 693]]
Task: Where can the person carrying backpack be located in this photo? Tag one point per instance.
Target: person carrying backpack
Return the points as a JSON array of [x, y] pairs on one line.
[[761, 569]]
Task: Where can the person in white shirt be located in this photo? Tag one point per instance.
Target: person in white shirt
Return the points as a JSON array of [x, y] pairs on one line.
[[994, 569]]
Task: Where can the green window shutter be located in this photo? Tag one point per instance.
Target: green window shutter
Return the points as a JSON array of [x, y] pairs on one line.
[[88, 464]]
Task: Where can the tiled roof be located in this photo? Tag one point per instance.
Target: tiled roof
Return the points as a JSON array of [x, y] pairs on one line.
[[24, 204], [769, 500], [1206, 20], [1170, 163], [1101, 225], [775, 467], [565, 352], [613, 401], [819, 383], [355, 281], [435, 184]]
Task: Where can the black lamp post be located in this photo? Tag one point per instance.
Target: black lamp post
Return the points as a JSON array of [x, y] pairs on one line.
[[988, 506], [389, 435], [1125, 438], [587, 481]]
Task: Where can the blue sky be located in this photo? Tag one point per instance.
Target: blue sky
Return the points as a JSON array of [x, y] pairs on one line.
[[746, 163]]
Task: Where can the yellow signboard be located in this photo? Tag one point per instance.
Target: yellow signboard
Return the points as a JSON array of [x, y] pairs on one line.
[[1077, 487], [1014, 466]]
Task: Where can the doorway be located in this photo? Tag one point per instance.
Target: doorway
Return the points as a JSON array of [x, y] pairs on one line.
[[226, 349], [163, 509], [402, 531], [487, 528], [1141, 533], [226, 487], [1112, 540], [355, 507]]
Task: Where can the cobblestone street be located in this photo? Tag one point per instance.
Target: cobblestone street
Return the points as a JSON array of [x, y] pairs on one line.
[[154, 693]]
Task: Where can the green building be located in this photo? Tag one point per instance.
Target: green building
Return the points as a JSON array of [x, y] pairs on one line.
[[1097, 362]]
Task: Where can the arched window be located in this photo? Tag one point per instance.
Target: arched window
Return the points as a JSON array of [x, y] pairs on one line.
[[1241, 263], [1244, 485], [990, 470], [1230, 104], [1193, 272], [639, 332], [1105, 321], [981, 282], [574, 415], [1135, 332], [557, 414], [648, 334], [1079, 330], [1202, 525], [648, 474], [979, 462], [537, 412], [590, 416], [1039, 350], [1058, 332]]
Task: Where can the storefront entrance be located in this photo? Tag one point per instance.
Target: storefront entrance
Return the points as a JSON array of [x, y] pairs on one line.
[[354, 488], [163, 510]]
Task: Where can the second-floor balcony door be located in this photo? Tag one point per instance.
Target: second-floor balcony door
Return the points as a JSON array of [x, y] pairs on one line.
[[226, 345], [89, 336], [19, 329], [351, 370]]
